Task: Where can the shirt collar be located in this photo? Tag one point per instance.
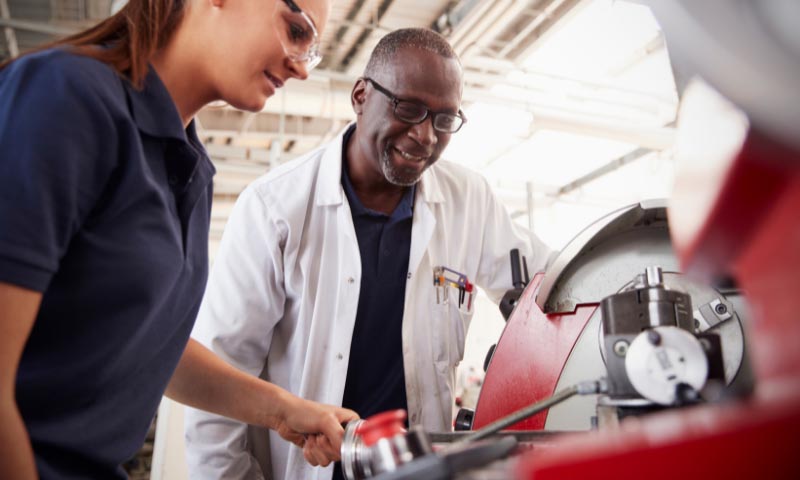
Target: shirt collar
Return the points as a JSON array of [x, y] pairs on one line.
[[405, 209], [153, 109]]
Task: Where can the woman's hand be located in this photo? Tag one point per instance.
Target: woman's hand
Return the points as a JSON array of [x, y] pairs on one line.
[[315, 427], [203, 380]]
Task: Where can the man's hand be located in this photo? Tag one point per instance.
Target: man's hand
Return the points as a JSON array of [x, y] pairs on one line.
[[315, 427]]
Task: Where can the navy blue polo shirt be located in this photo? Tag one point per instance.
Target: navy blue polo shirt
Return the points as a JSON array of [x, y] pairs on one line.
[[375, 374], [105, 204]]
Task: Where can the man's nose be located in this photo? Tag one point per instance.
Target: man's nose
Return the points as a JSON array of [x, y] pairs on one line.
[[424, 133]]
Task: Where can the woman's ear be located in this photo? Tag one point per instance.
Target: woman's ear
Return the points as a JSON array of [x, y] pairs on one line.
[[358, 96]]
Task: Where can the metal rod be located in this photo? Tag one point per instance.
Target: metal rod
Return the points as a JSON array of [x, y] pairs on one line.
[[583, 388], [520, 415]]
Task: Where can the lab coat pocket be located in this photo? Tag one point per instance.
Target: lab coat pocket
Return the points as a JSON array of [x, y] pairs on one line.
[[448, 334]]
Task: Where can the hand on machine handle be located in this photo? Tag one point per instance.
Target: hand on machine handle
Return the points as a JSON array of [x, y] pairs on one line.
[[316, 428]]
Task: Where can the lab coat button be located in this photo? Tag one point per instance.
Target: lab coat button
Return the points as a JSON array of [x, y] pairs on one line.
[[339, 356], [414, 418], [409, 275], [350, 280]]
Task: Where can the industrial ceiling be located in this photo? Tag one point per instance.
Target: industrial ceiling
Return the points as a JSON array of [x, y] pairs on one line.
[[566, 118]]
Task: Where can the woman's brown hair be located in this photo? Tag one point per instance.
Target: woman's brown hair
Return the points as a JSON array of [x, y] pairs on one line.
[[129, 37]]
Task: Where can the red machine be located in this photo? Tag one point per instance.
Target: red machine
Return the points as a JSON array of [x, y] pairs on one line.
[[735, 235], [750, 233], [558, 336]]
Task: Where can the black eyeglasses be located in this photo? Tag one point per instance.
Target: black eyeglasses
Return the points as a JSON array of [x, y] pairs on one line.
[[415, 113]]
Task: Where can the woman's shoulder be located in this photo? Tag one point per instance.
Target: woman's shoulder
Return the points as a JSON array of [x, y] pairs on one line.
[[59, 71], [63, 60]]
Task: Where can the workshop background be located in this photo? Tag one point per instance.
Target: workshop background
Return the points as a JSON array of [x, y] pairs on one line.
[[571, 107]]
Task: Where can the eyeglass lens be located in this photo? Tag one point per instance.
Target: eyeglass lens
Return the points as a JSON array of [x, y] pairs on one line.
[[297, 34], [415, 113]]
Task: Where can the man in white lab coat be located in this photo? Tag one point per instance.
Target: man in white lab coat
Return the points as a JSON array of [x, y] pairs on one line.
[[323, 283]]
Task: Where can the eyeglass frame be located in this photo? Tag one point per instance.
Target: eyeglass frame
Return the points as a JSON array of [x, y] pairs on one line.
[[312, 57], [428, 112]]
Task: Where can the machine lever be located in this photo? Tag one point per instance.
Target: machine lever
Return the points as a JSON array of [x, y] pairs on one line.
[[583, 388], [525, 270], [516, 276], [511, 297]]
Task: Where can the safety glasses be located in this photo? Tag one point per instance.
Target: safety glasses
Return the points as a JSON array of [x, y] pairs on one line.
[[297, 34]]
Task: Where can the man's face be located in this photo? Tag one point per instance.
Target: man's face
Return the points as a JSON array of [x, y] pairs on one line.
[[401, 151]]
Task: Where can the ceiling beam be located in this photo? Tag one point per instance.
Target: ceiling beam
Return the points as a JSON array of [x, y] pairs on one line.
[[11, 36], [528, 34], [604, 170], [40, 27]]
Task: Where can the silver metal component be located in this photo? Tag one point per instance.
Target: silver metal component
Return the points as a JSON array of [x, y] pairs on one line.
[[607, 417], [720, 310], [730, 330], [607, 254], [587, 358], [719, 315], [629, 313], [355, 456], [606, 401], [656, 370], [701, 324], [712, 314], [592, 387], [387, 455], [621, 348], [654, 276]]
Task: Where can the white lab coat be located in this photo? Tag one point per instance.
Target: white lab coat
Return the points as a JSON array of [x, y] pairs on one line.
[[283, 292]]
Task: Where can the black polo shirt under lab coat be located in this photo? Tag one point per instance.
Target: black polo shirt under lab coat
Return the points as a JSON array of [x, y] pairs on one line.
[[375, 374], [104, 207]]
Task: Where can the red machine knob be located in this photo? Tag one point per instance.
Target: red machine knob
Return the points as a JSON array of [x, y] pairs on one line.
[[383, 425]]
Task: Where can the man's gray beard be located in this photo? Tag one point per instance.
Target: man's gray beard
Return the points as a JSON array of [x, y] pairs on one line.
[[393, 175]]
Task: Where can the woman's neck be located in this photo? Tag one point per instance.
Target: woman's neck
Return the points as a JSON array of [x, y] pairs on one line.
[[182, 76]]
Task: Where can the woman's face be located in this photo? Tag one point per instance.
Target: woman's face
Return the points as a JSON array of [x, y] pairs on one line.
[[261, 44]]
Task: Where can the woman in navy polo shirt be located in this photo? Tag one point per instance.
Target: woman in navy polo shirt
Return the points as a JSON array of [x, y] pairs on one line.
[[105, 197]]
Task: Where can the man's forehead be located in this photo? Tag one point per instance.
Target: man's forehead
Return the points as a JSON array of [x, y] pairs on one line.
[[412, 65], [413, 54]]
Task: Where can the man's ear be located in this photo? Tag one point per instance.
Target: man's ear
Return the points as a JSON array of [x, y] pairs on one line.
[[358, 96]]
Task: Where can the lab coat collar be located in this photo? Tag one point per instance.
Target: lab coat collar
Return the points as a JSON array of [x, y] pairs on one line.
[[429, 186], [329, 184]]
